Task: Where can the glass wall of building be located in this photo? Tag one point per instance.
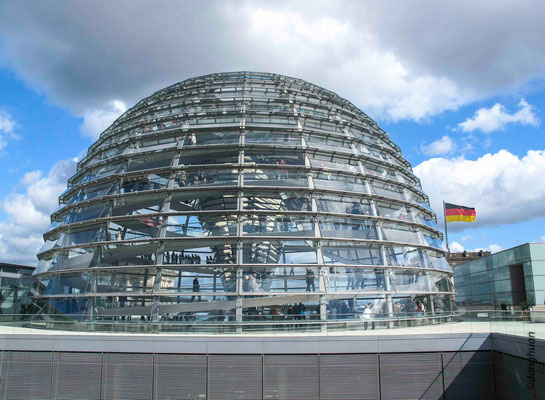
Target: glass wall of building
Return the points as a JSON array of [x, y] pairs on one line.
[[17, 288], [510, 278]]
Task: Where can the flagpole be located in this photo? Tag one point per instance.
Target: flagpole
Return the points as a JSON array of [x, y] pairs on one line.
[[446, 230]]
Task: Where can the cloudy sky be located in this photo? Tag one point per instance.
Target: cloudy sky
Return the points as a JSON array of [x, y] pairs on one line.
[[459, 85]]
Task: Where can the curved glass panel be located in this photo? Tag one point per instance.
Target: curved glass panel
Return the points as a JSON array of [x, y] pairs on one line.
[[351, 253], [204, 177], [343, 204], [348, 228], [274, 177], [282, 201], [336, 181], [272, 137]]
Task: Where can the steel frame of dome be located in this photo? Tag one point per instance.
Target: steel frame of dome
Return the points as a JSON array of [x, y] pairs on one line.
[[288, 194]]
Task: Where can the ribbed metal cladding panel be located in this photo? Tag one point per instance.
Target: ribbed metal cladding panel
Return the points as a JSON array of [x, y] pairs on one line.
[[349, 376], [411, 376], [3, 374], [127, 376], [26, 375], [290, 377], [76, 375], [468, 375], [179, 376], [235, 377]]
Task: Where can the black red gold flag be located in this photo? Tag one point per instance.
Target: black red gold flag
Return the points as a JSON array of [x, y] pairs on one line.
[[456, 213]]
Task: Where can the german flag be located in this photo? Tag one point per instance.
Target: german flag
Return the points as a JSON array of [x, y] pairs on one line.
[[456, 213]]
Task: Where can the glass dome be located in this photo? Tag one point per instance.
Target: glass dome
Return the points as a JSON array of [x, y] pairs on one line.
[[244, 197]]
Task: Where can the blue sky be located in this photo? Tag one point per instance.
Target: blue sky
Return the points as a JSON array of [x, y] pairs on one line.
[[459, 86]]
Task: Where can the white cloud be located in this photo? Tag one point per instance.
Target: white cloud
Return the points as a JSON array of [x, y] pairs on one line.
[[496, 118], [96, 120], [456, 39], [494, 248], [28, 212], [23, 212], [395, 61], [7, 124], [7, 128], [542, 239], [439, 147], [343, 57], [501, 186], [456, 247], [290, 26], [31, 177]]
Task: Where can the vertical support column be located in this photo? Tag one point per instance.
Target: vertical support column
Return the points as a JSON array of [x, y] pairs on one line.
[[323, 313], [145, 285], [243, 110], [283, 250], [362, 169], [159, 254], [425, 275], [388, 288], [322, 285], [307, 160], [240, 206], [310, 178], [321, 280], [355, 151], [238, 275], [300, 121], [238, 302], [387, 275], [214, 284], [93, 299], [157, 279], [373, 207], [317, 234], [179, 285], [156, 290], [158, 275]]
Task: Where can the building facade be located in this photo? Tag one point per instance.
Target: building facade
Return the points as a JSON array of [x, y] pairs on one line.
[[243, 196], [507, 278], [17, 286]]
